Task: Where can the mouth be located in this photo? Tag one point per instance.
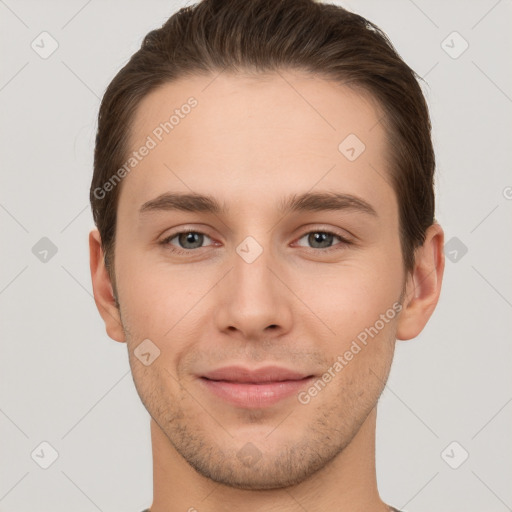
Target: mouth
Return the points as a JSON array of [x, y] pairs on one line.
[[254, 389]]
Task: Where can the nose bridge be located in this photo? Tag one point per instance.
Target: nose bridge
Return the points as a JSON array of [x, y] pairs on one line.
[[251, 274], [252, 298]]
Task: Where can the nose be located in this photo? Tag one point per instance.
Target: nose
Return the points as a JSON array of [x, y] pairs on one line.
[[252, 301]]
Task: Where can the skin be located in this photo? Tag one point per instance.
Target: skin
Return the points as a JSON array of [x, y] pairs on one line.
[[250, 142]]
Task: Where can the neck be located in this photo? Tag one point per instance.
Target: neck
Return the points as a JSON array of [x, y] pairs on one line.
[[347, 483]]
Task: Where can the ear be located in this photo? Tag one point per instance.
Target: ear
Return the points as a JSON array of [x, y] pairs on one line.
[[423, 285], [102, 288]]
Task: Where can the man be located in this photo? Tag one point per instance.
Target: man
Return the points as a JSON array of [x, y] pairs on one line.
[[290, 146]]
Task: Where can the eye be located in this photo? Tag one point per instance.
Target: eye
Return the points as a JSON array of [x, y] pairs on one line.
[[322, 240], [187, 241]]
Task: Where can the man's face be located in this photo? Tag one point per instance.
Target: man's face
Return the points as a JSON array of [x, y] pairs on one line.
[[257, 287]]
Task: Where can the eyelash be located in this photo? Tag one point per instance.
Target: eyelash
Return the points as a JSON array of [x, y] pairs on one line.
[[187, 252]]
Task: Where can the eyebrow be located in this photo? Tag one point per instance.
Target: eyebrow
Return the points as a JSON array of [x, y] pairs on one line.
[[306, 202]]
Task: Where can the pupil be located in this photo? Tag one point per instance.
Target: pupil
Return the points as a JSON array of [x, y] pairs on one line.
[[321, 238]]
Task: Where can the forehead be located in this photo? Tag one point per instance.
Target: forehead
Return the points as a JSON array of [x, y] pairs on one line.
[[282, 131]]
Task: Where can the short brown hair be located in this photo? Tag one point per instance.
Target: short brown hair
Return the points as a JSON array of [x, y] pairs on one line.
[[264, 36]]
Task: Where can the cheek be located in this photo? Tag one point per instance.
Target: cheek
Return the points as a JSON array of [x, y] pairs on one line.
[[163, 304], [147, 288], [351, 298]]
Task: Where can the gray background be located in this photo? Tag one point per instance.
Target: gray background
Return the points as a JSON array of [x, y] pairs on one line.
[[65, 382]]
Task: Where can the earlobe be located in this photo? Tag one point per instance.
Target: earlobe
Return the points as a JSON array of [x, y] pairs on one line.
[[103, 290], [423, 285]]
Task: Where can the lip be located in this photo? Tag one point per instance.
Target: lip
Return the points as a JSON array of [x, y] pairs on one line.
[[254, 388]]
